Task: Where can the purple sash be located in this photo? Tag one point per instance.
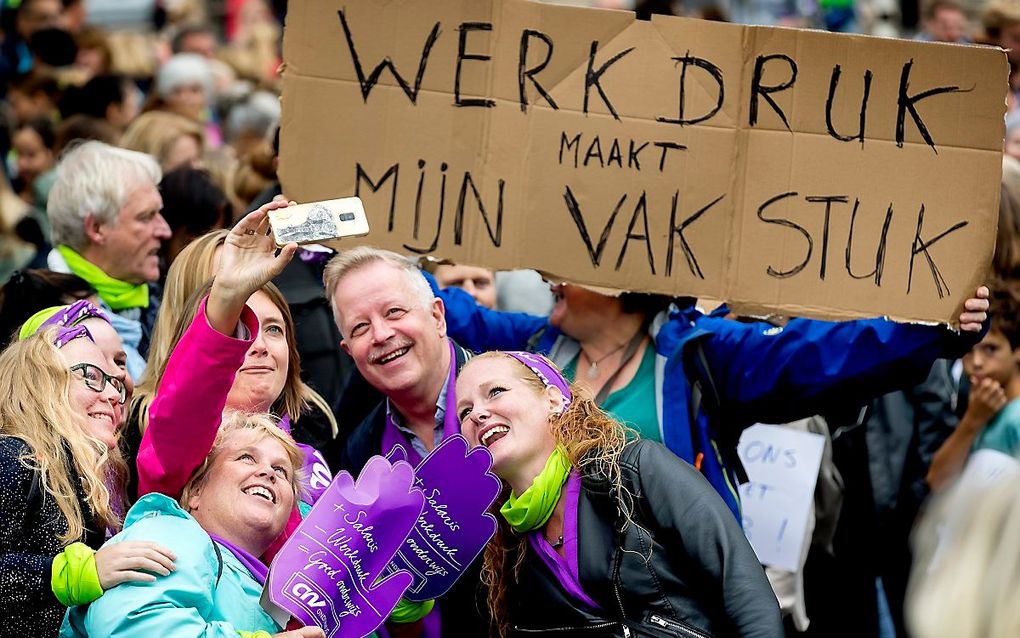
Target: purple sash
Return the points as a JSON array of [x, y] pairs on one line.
[[393, 437], [565, 569], [257, 568]]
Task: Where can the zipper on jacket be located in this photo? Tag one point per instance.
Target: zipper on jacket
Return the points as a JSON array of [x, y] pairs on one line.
[[598, 626], [681, 628]]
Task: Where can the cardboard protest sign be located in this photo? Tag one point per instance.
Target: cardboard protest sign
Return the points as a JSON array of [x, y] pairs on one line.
[[782, 465], [332, 571], [455, 524], [782, 170]]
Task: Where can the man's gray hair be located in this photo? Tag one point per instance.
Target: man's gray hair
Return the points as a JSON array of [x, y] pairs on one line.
[[95, 178], [350, 261]]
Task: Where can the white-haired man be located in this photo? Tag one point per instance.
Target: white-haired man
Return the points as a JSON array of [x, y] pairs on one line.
[[394, 328], [104, 210]]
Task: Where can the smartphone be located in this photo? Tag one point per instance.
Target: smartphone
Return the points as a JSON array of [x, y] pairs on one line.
[[319, 221]]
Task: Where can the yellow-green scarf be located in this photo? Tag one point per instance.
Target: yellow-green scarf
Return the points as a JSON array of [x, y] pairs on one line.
[[533, 508], [116, 293]]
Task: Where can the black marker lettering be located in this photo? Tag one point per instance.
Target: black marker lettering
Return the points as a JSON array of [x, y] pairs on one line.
[[879, 253], [692, 260], [593, 77], [828, 199], [788, 224], [530, 74], [642, 206], [833, 83], [368, 83], [594, 253], [462, 55], [921, 246], [495, 235], [716, 74], [392, 171], [764, 91]]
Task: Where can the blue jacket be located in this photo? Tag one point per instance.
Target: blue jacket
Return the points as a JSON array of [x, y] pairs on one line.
[[208, 595], [747, 372]]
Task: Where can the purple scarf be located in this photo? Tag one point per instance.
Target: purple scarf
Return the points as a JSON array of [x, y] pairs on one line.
[[565, 569], [256, 568], [393, 437]]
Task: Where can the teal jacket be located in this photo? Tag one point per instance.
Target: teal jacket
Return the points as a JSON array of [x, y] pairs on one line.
[[192, 601]]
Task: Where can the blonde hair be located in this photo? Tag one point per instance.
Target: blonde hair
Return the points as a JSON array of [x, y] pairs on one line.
[[188, 281], [350, 261], [155, 132], [35, 407], [967, 565], [263, 425], [593, 441]]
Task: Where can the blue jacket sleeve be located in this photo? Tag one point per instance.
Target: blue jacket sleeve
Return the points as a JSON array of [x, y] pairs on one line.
[[479, 329], [764, 373], [177, 605]]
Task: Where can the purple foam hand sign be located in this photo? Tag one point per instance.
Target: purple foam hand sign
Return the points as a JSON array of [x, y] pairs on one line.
[[454, 526], [317, 471], [328, 573]]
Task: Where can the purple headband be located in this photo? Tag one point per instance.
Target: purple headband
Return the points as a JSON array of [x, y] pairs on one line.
[[78, 311], [67, 334], [546, 373]]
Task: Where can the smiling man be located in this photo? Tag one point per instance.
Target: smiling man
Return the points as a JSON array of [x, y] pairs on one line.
[[394, 328], [105, 212]]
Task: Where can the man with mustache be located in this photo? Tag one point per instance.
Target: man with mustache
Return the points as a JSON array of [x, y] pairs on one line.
[[394, 328]]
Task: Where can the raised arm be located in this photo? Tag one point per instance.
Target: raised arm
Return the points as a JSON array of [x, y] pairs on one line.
[[478, 328], [777, 375], [189, 403]]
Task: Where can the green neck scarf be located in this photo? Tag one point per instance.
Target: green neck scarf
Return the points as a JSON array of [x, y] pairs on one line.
[[533, 508], [116, 293]]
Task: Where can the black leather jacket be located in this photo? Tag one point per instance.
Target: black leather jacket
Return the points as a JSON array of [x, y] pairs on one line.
[[682, 567]]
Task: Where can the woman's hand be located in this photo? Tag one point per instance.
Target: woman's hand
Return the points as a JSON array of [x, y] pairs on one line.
[[249, 259], [975, 311], [118, 563]]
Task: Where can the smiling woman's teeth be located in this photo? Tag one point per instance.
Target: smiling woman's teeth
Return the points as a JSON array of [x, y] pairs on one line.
[[499, 429], [258, 490]]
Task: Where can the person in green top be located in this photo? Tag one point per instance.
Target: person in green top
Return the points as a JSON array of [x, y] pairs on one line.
[[992, 419]]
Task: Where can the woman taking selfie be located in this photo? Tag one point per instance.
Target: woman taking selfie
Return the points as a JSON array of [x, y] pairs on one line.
[[601, 534]]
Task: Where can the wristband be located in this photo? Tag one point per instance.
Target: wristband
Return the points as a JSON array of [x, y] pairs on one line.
[[75, 578]]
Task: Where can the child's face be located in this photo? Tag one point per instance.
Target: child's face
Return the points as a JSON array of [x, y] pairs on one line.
[[992, 358], [34, 158]]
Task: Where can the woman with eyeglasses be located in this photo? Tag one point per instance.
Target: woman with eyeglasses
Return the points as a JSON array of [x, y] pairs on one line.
[[61, 479]]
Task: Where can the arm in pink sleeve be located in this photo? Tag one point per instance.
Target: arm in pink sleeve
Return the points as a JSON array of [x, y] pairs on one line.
[[186, 412]]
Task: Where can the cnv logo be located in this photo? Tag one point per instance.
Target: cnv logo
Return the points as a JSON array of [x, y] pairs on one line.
[[307, 595]]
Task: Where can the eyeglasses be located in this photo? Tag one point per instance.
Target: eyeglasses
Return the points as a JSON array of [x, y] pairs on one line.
[[95, 379]]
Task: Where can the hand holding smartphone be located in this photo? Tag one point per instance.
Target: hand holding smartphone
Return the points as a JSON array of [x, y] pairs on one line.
[[319, 221]]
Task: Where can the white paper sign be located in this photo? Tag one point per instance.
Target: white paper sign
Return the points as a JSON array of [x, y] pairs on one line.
[[985, 467], [782, 465]]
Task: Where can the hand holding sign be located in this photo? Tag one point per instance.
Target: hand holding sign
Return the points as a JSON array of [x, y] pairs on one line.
[[454, 526], [328, 574]]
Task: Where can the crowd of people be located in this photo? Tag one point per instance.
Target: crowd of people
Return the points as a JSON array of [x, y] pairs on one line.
[[170, 377]]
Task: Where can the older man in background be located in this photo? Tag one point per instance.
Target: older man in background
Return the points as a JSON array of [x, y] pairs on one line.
[[107, 228]]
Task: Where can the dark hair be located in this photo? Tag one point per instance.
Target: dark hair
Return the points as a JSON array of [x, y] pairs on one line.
[[646, 304], [1004, 310], [645, 9], [187, 30], [191, 200], [83, 127], [95, 96], [29, 291], [43, 127], [53, 46]]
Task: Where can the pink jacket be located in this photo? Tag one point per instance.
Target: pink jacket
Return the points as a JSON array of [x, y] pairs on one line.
[[186, 412]]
